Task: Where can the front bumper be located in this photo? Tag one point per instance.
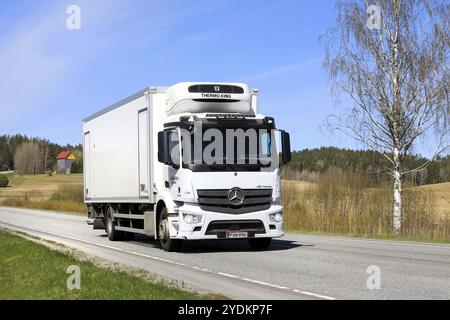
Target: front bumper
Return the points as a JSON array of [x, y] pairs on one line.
[[179, 229]]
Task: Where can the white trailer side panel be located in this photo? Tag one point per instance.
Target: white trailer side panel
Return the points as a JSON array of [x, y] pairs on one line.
[[112, 155]]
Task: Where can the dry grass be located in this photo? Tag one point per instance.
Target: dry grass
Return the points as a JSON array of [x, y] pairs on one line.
[[441, 192], [57, 192], [69, 193], [295, 186], [56, 205], [345, 204], [37, 187], [336, 203]]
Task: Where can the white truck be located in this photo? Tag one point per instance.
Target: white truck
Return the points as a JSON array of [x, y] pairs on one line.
[[186, 162]]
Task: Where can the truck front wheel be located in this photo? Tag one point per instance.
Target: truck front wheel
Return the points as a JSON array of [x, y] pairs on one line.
[[259, 243], [167, 244]]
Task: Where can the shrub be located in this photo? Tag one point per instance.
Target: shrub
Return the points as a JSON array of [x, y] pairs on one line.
[[77, 166], [3, 180]]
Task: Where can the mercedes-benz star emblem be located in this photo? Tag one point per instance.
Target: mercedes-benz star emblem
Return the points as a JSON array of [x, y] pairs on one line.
[[236, 196]]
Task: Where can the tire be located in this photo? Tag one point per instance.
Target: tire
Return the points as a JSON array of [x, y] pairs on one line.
[[166, 243], [128, 236], [259, 243], [113, 234]]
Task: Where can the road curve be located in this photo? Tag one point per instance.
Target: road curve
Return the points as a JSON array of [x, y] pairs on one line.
[[294, 267]]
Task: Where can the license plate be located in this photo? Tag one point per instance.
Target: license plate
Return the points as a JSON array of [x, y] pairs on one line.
[[236, 235]]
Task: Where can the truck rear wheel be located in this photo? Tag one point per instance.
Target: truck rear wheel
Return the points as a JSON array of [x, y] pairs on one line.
[[113, 234], [128, 236], [259, 243], [167, 244]]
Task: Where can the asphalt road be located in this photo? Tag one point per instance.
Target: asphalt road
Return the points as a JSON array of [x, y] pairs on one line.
[[294, 267]]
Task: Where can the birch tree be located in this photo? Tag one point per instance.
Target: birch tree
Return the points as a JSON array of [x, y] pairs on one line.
[[388, 62]]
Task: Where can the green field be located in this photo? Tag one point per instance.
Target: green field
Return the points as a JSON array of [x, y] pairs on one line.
[[32, 271]]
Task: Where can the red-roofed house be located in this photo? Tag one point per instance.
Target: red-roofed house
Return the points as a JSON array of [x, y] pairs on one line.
[[64, 162]]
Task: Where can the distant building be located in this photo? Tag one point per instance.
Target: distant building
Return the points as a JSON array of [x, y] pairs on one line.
[[64, 162]]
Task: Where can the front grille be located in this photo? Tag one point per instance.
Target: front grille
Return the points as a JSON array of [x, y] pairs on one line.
[[217, 200], [250, 226]]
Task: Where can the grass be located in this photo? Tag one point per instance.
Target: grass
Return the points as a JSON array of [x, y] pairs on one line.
[[69, 193], [38, 187], [442, 196], [32, 271], [380, 236], [56, 192], [54, 205], [341, 204], [19, 180]]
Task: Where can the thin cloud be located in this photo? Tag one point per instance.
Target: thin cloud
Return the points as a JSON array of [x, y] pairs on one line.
[[282, 70], [201, 36]]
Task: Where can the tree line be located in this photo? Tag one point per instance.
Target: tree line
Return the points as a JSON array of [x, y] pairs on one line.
[[31, 155], [37, 155], [309, 164]]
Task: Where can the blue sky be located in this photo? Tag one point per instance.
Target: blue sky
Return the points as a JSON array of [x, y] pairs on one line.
[[53, 77]]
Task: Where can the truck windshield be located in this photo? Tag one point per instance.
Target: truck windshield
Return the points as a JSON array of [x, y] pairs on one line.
[[229, 149]]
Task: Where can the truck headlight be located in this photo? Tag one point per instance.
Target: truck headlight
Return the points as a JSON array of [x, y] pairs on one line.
[[276, 217], [192, 218]]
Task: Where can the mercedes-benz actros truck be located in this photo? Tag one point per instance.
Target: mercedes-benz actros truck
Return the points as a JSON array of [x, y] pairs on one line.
[[187, 162]]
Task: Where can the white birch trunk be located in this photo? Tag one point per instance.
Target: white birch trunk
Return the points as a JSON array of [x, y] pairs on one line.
[[397, 193]]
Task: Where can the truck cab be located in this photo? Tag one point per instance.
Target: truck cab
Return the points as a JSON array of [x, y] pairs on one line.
[[220, 160]]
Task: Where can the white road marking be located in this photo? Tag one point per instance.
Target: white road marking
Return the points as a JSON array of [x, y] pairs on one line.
[[262, 283]]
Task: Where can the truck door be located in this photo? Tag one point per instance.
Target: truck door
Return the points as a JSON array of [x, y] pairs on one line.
[[174, 171], [143, 153]]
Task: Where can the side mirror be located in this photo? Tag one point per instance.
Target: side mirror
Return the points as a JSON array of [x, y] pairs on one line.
[[163, 147], [286, 147], [166, 146]]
